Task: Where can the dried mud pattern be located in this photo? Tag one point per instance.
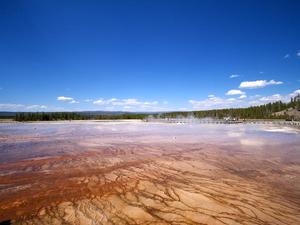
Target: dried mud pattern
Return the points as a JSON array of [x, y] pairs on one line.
[[111, 181]]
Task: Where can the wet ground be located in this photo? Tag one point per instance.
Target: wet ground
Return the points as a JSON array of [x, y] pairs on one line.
[[133, 172]]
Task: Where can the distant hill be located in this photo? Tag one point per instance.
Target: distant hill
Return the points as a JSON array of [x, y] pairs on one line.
[[291, 112], [90, 113], [7, 114], [276, 110]]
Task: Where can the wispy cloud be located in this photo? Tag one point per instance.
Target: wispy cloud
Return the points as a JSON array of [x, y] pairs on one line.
[[214, 102], [271, 98], [288, 55], [234, 75], [10, 106], [124, 102], [235, 92], [259, 100], [21, 107], [66, 99], [36, 107], [296, 92], [258, 83], [128, 104]]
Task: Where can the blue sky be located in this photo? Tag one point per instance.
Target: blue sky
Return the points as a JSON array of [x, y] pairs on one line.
[[147, 55]]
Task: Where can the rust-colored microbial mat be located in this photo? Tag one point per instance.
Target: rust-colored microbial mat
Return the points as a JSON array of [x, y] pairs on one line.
[[149, 173]]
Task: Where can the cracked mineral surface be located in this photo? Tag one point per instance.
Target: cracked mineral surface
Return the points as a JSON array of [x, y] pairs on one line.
[[132, 172]]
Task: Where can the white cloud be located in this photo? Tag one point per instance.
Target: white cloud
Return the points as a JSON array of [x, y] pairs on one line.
[[234, 76], [235, 92], [67, 99], [10, 106], [260, 100], [214, 102], [130, 103], [63, 98], [124, 102], [21, 107], [298, 53], [99, 102], [286, 56], [295, 93], [258, 83], [36, 107], [272, 98]]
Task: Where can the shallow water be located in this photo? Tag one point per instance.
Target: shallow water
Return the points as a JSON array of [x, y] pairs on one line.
[[26, 137], [44, 164]]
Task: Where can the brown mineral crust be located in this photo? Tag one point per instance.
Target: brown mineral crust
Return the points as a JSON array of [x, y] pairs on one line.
[[151, 182]]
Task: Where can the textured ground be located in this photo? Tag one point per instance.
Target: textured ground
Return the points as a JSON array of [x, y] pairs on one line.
[[147, 173]]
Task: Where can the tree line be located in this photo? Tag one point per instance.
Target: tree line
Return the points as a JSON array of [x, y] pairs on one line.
[[266, 111], [53, 116], [47, 116]]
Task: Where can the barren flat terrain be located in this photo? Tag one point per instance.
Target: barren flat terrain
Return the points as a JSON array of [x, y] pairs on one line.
[[132, 172]]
